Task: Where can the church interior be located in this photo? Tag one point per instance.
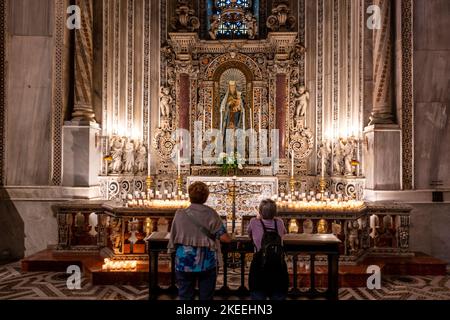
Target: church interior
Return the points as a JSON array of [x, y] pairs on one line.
[[337, 110]]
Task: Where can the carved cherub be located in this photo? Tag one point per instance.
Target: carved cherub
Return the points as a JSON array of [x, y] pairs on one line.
[[165, 102], [301, 100]]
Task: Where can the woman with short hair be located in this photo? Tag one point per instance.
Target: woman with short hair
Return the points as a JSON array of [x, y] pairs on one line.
[[195, 238], [268, 276]]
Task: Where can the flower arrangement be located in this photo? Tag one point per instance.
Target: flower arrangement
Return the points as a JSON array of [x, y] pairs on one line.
[[232, 162]]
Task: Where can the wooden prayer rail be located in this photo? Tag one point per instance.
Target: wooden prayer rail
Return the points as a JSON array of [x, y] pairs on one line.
[[311, 244]]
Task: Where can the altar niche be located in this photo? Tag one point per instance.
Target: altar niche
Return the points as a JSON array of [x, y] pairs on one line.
[[233, 100]]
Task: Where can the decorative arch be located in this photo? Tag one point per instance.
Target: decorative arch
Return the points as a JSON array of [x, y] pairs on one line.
[[236, 60]]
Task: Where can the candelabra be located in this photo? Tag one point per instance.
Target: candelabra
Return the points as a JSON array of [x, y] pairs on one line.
[[234, 188]]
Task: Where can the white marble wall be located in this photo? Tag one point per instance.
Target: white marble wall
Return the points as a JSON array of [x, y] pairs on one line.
[[432, 92], [29, 93], [430, 224]]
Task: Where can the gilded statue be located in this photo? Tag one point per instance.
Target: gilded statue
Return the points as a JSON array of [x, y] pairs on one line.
[[116, 234]]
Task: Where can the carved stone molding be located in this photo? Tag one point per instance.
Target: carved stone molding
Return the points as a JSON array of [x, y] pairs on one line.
[[281, 19], [58, 91], [3, 102], [182, 44], [407, 95], [184, 19]]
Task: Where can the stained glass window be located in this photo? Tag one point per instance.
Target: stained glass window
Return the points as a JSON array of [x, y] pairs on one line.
[[232, 17]]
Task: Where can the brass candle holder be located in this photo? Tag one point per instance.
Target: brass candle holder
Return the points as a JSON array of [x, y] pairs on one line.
[[322, 185], [179, 183], [292, 184]]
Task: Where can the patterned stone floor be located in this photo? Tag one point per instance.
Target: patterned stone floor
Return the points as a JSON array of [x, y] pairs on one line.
[[15, 285]]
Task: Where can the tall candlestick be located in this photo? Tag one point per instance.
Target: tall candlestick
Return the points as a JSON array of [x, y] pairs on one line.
[[179, 162], [292, 163], [323, 160]]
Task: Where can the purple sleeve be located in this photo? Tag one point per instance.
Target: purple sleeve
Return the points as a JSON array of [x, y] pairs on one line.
[[250, 227], [281, 227]]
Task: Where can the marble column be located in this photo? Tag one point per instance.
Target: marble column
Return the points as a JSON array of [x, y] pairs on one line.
[[280, 104], [81, 135], [83, 108], [382, 137], [184, 101], [383, 75]]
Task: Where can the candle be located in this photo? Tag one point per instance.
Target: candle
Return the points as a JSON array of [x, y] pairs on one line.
[[323, 162], [292, 163], [179, 162]]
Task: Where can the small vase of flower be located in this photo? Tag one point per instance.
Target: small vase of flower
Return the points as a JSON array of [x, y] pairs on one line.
[[230, 163]]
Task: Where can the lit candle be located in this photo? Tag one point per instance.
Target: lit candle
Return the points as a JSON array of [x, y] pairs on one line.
[[323, 161], [292, 163], [179, 162]]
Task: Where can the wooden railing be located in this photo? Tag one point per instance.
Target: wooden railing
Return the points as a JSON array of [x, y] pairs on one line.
[[312, 245]]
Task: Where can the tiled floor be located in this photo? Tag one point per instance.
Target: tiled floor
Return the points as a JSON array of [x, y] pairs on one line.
[[14, 284]]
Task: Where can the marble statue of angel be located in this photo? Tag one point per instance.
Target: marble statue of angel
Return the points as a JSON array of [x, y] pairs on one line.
[[116, 154], [338, 157], [349, 149], [141, 157], [301, 99], [214, 26], [128, 154], [252, 25], [165, 102]]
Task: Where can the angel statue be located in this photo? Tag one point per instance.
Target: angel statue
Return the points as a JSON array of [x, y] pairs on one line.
[[116, 154], [165, 102], [349, 149], [141, 153], [128, 154], [252, 25], [301, 100], [214, 26], [338, 157]]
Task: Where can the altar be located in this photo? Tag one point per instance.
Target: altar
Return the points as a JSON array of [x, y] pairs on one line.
[[235, 197]]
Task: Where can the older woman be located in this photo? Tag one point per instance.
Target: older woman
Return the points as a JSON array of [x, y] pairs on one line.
[[268, 276], [195, 237]]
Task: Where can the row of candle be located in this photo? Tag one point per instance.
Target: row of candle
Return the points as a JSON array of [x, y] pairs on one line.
[[310, 196], [126, 265], [320, 205], [159, 204]]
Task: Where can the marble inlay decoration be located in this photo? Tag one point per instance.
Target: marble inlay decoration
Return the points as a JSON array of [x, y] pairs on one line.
[[3, 68], [407, 95], [58, 91]]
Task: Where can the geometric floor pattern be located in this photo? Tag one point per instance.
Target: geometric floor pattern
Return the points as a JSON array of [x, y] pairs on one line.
[[16, 285]]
